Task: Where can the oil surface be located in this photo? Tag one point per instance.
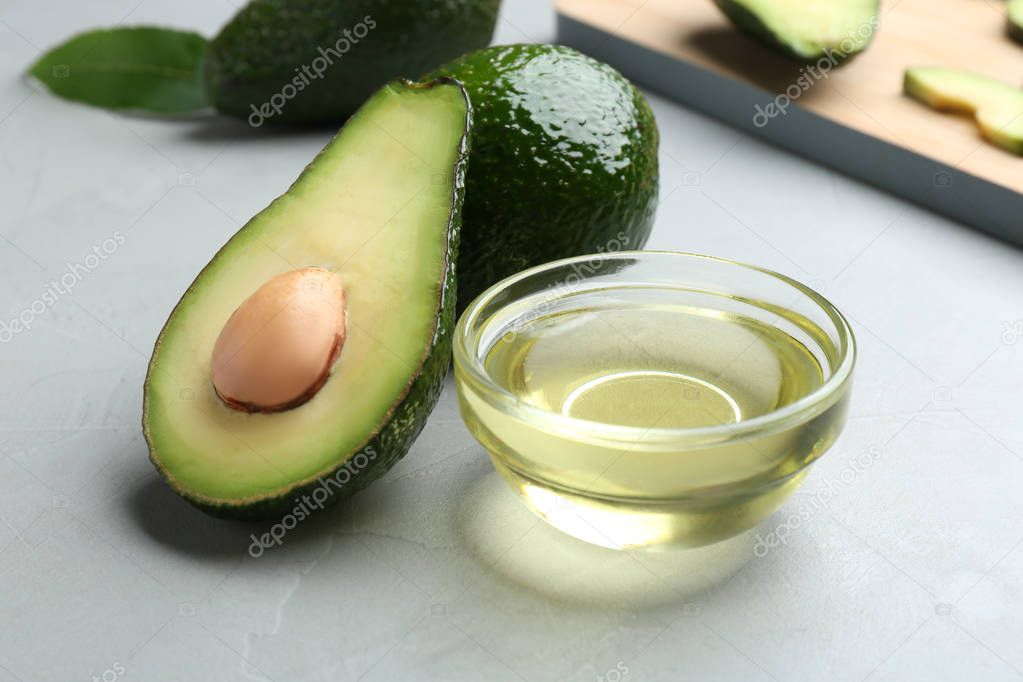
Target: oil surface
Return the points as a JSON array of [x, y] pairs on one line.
[[654, 366]]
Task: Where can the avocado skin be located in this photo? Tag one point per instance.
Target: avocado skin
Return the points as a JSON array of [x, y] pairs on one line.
[[265, 46], [408, 414], [749, 22], [564, 161]]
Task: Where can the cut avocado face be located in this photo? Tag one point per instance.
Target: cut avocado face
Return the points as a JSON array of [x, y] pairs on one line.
[[996, 106], [564, 161], [316, 61], [363, 244], [807, 29], [1015, 10]]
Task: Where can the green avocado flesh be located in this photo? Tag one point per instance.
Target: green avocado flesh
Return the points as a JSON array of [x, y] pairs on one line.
[[1016, 19], [564, 161], [380, 205], [807, 29], [996, 106], [313, 61]]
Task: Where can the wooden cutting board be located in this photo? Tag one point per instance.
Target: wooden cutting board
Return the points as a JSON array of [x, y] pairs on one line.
[[855, 118]]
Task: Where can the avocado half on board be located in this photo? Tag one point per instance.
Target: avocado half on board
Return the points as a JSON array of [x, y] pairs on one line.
[[807, 30], [309, 352]]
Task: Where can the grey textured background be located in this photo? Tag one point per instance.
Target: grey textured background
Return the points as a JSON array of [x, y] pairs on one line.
[[912, 569]]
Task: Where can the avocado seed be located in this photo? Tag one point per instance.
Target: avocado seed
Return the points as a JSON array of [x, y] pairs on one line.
[[276, 350]]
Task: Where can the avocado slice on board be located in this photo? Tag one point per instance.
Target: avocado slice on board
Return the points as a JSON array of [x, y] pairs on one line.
[[807, 30], [316, 61], [564, 161], [997, 107], [308, 354]]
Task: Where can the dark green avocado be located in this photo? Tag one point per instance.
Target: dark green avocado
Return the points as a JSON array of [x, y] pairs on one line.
[[379, 209], [564, 161], [316, 61]]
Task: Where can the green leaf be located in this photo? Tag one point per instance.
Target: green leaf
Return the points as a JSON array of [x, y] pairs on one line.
[[143, 68]]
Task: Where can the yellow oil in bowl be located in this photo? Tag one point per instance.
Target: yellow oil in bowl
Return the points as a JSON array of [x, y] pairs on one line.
[[649, 399]]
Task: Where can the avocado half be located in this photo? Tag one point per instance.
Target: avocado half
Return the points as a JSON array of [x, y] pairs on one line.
[[379, 210], [316, 61], [996, 106], [564, 161], [807, 30]]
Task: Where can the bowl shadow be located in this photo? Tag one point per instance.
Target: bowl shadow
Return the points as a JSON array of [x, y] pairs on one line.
[[521, 549]]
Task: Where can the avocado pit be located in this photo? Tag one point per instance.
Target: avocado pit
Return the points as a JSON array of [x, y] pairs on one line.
[[277, 349]]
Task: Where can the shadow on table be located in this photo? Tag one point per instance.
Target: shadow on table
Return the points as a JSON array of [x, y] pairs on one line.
[[755, 62], [179, 526], [520, 548], [483, 521], [220, 129]]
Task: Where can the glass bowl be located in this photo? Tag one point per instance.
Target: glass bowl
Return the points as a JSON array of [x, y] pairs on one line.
[[653, 399]]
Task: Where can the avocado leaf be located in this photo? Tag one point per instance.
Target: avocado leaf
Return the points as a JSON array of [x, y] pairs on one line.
[[141, 68]]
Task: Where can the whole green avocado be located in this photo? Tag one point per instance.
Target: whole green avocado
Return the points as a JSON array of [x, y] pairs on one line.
[[317, 61], [564, 161]]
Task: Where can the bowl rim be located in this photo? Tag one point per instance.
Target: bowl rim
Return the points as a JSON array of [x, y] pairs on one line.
[[803, 409]]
